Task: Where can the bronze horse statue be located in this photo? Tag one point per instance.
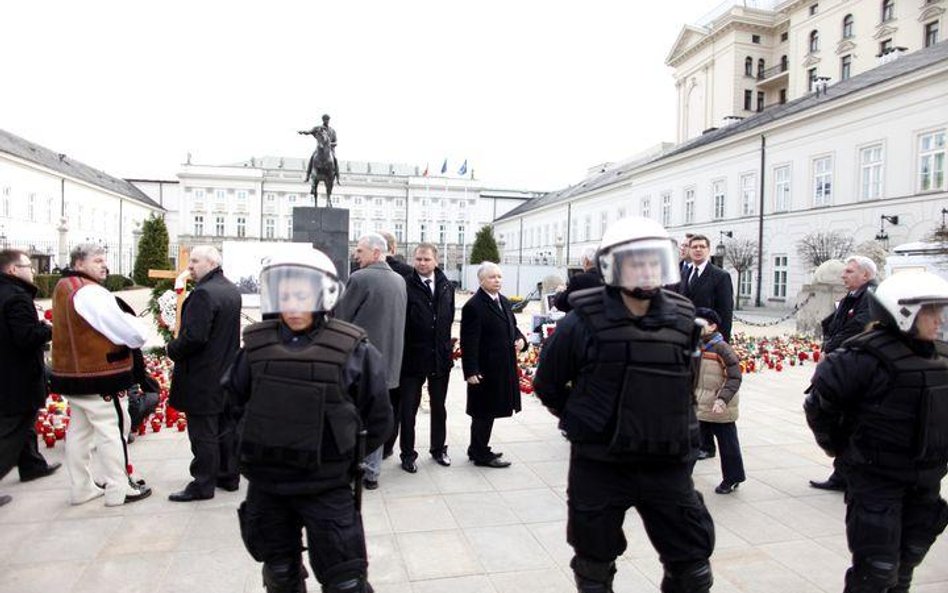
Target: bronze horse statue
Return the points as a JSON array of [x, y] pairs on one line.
[[322, 165]]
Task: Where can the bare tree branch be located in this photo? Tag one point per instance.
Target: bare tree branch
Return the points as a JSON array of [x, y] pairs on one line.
[[820, 246]]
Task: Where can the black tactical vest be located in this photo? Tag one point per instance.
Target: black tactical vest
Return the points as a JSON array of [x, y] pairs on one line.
[[910, 422], [299, 414], [638, 392]]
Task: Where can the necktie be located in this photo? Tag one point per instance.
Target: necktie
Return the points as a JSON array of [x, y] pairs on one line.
[[693, 279], [428, 285]]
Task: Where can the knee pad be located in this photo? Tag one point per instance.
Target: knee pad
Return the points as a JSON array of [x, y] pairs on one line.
[[284, 576], [872, 575], [593, 570], [357, 585], [687, 577]]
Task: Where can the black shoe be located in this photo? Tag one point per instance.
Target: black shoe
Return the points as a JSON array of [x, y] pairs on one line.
[[442, 459], [491, 462], [4, 499], [47, 471], [143, 493], [830, 484], [702, 454], [409, 465], [229, 486], [727, 487], [186, 496], [370, 484]]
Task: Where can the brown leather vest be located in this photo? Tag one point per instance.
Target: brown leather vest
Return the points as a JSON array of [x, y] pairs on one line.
[[84, 360]]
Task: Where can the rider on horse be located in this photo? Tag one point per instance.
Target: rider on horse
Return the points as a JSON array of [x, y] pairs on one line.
[[331, 133]]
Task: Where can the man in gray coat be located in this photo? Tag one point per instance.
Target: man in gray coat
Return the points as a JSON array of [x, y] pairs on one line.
[[375, 300]]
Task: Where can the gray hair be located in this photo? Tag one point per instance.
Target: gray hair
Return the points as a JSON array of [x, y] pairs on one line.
[[865, 264], [375, 241], [485, 268], [208, 252], [390, 241], [84, 251], [589, 255]]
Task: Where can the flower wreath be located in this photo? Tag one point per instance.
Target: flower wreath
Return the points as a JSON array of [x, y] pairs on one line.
[[163, 307]]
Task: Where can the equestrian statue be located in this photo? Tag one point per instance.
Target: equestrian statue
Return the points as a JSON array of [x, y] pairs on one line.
[[323, 165]]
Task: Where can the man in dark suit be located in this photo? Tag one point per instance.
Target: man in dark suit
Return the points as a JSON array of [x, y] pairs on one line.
[[426, 357], [489, 343], [206, 345], [708, 285], [23, 389], [850, 318], [588, 278]]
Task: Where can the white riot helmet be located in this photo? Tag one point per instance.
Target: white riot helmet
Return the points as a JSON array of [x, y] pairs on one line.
[[900, 297], [294, 283], [637, 255]]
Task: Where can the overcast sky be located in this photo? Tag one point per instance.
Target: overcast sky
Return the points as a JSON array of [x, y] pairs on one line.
[[532, 93]]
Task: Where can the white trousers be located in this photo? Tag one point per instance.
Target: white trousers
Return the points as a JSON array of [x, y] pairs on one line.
[[103, 426]]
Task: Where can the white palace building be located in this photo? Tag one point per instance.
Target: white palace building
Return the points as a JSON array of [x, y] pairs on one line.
[[804, 116]]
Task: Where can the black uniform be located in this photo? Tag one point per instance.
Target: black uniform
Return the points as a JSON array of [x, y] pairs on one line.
[[304, 399], [879, 405], [622, 387]]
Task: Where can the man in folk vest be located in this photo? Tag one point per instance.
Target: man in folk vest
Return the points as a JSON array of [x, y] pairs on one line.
[[92, 367]]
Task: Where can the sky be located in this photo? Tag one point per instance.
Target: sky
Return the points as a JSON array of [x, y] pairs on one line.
[[531, 93]]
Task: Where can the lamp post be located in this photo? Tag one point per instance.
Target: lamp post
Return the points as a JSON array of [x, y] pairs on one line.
[[721, 249], [882, 236]]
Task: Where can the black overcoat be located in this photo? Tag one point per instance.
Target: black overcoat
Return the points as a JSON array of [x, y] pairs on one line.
[[487, 349], [428, 323], [206, 345], [713, 289], [22, 335]]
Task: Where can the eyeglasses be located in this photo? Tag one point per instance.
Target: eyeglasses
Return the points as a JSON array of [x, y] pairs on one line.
[[30, 266]]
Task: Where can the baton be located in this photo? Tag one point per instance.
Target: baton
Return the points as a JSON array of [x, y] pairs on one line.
[[359, 467]]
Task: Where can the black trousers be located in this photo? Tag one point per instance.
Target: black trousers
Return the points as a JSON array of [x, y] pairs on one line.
[[479, 449], [18, 445], [214, 447], [672, 511], [407, 410], [732, 463], [271, 524], [891, 522]]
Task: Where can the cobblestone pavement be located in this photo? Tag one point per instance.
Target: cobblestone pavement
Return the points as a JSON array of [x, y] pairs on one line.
[[461, 529]]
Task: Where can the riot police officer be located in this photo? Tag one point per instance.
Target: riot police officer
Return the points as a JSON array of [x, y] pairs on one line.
[[619, 373], [879, 404], [307, 385]]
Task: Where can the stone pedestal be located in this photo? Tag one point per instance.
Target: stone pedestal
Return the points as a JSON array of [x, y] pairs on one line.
[[328, 230], [820, 297]]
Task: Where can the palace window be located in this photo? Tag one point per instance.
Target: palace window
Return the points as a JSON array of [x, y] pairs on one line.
[[823, 181], [814, 41], [870, 172], [718, 191], [198, 225], [931, 34], [269, 228], [848, 26], [219, 226], [689, 205], [845, 67], [782, 188], [666, 208], [748, 194], [888, 10], [241, 226], [780, 277], [931, 161]]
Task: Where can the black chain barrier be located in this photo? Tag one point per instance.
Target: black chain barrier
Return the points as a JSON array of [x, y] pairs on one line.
[[789, 315]]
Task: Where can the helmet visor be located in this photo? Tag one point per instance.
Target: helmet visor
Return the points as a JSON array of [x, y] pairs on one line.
[[647, 264], [297, 289]]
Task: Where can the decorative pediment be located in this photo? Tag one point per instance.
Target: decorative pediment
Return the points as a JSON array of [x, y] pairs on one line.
[[811, 60], [846, 46], [883, 31], [688, 37], [930, 12]]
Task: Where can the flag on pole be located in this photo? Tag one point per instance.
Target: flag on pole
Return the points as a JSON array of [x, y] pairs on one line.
[[444, 167], [463, 169], [425, 174]]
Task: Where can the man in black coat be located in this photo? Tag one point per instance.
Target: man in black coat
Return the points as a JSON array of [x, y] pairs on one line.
[[202, 352], [23, 388], [427, 356], [588, 278], [850, 318], [709, 286], [489, 343]]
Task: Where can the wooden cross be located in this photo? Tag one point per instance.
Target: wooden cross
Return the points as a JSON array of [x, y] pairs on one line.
[[184, 255]]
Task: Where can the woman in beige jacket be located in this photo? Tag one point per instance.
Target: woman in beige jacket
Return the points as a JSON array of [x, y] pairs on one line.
[[716, 394]]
